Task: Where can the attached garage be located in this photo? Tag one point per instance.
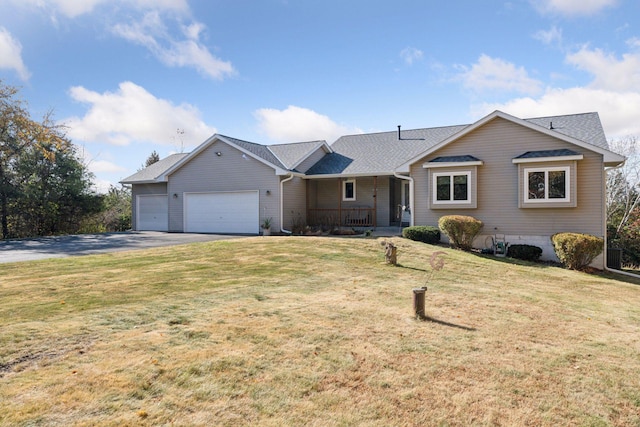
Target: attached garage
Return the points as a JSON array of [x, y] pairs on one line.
[[152, 213], [222, 212]]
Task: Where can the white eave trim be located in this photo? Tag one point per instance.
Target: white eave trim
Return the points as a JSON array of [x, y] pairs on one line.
[[433, 165], [548, 159]]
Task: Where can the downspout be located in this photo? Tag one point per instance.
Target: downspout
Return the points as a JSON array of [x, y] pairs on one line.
[[411, 195], [282, 229]]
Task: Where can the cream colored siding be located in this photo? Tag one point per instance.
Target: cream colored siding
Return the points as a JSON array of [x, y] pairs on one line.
[[311, 160], [144, 189], [498, 184], [295, 203], [231, 171]]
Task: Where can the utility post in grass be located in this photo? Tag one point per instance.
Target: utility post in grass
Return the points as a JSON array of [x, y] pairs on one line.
[[418, 302]]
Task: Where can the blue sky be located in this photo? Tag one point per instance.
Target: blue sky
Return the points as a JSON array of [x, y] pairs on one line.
[[130, 77]]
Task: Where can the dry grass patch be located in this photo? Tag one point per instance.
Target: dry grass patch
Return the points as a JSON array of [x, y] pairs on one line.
[[314, 331]]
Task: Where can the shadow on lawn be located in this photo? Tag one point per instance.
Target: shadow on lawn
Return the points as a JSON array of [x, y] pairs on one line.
[[442, 322]]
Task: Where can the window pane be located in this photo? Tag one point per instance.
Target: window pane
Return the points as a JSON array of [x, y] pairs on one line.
[[349, 190], [557, 188], [536, 185], [443, 184], [460, 187]]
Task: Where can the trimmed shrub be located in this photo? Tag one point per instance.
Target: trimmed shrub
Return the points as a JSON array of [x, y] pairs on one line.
[[460, 229], [524, 252], [575, 250], [422, 233]]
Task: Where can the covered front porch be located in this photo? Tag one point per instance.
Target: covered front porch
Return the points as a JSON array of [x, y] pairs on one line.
[[358, 202]]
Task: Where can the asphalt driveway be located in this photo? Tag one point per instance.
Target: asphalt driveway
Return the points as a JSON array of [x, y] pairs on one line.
[[85, 244]]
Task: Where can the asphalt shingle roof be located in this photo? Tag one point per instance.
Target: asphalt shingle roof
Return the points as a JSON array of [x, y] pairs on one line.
[[547, 153], [454, 159], [585, 127], [150, 173], [382, 153], [379, 153], [292, 154]]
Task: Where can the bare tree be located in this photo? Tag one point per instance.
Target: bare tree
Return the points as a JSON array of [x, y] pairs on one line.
[[623, 184]]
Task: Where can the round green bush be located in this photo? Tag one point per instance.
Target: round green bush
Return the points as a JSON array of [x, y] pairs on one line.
[[524, 252], [576, 250], [460, 229], [422, 233]]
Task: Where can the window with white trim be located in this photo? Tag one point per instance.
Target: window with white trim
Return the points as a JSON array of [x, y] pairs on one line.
[[349, 190], [544, 185], [452, 187]]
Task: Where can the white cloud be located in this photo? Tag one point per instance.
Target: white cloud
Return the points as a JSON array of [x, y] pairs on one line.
[[614, 93], [411, 54], [296, 124], [618, 111], [100, 166], [11, 54], [134, 115], [152, 33], [553, 35], [497, 74], [610, 73], [572, 7], [75, 8]]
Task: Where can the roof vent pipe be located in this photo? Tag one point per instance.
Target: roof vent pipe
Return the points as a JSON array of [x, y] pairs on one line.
[[551, 125], [399, 136]]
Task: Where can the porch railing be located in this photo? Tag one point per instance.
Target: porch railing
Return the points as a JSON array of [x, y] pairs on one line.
[[345, 217]]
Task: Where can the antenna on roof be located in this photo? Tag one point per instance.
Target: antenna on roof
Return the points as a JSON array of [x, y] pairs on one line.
[[399, 135], [551, 125]]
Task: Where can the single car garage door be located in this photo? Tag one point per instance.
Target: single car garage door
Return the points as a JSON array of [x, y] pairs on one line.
[[153, 213], [225, 212]]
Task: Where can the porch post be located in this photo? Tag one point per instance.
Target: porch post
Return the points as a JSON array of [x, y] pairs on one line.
[[375, 201], [339, 202]]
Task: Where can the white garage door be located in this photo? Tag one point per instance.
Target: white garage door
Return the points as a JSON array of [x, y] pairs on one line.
[[228, 212], [153, 213]]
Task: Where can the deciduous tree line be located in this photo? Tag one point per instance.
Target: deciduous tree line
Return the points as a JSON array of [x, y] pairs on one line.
[[45, 188]]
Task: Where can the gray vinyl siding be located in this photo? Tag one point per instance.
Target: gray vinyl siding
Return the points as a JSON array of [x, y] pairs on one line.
[[294, 202], [311, 160], [143, 190], [498, 181], [231, 171]]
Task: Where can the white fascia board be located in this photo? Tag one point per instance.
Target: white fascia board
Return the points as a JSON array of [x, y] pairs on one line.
[[431, 165], [148, 181], [548, 159]]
